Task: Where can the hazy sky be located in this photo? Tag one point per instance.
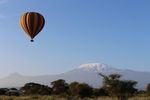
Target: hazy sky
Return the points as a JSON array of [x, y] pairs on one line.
[[115, 32]]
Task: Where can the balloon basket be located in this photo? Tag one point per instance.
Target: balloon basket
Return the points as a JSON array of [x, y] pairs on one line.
[[32, 40]]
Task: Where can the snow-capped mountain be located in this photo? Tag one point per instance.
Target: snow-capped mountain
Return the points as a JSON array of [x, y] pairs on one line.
[[85, 73], [97, 67]]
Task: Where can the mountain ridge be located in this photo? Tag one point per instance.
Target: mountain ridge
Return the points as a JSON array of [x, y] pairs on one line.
[[85, 73]]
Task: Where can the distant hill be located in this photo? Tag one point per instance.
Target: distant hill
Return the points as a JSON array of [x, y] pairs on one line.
[[87, 73]]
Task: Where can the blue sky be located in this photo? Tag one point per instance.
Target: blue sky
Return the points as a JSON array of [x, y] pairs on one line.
[[115, 32]]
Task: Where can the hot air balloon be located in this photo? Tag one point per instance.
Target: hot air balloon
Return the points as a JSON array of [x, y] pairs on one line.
[[32, 23]]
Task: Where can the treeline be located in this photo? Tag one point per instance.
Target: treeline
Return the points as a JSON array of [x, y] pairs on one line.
[[58, 87], [112, 86]]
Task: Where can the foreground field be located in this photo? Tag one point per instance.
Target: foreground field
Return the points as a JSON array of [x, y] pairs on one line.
[[62, 98]]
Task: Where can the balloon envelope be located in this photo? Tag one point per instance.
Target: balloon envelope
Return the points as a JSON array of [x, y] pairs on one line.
[[32, 23]]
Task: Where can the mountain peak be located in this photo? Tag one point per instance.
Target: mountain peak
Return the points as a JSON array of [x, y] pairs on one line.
[[15, 74], [97, 67]]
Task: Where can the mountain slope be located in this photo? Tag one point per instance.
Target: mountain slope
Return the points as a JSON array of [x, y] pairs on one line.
[[87, 73]]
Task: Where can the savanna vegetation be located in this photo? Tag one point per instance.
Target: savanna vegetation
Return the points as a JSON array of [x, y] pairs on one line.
[[113, 89]]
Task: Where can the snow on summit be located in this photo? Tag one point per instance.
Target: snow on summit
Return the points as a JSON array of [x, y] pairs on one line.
[[96, 67]]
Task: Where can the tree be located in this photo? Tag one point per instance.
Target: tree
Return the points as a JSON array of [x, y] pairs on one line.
[[148, 89], [13, 92], [80, 89], [3, 91], [120, 88], [100, 92], [36, 89], [59, 86], [84, 90], [73, 88]]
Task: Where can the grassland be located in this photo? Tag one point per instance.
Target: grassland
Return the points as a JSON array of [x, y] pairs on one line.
[[63, 98]]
